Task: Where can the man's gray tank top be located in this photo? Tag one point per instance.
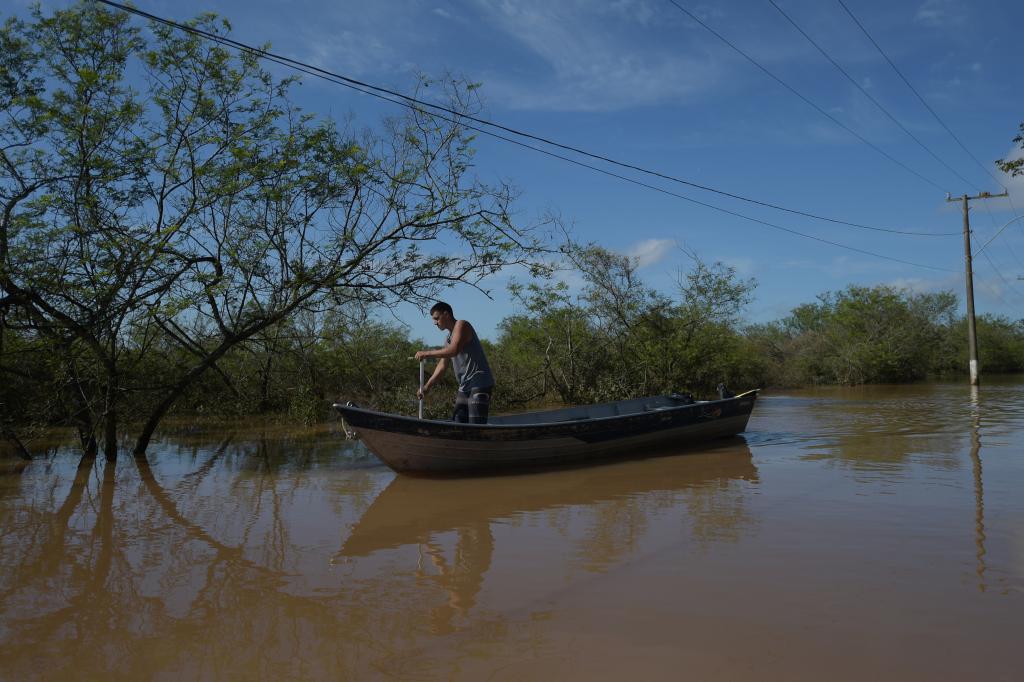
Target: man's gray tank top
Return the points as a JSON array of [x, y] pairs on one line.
[[471, 368]]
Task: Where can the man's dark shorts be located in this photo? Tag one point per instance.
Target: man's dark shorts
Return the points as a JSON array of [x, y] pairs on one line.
[[472, 407]]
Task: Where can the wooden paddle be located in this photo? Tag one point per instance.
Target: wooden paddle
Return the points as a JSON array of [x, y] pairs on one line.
[[421, 387]]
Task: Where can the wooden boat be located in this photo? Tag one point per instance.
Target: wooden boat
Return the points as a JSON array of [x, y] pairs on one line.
[[549, 438]]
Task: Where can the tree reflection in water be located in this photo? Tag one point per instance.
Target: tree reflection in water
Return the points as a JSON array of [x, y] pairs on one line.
[[224, 561]]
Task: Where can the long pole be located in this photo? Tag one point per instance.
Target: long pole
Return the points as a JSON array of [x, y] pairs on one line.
[[972, 333], [421, 388]]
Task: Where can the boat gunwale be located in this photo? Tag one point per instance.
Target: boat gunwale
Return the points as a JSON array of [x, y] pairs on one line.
[[753, 394]]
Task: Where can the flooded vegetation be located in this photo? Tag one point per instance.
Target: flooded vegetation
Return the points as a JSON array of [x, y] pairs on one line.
[[849, 534]]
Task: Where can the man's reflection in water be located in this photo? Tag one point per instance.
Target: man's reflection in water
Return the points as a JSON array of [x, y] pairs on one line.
[[462, 578], [451, 520]]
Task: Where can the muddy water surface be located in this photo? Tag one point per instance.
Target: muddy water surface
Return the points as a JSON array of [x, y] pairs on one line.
[[851, 534]]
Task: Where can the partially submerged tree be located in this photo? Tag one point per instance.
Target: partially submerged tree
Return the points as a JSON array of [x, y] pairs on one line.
[[163, 201]]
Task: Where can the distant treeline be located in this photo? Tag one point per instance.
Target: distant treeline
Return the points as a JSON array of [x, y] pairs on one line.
[[612, 338]]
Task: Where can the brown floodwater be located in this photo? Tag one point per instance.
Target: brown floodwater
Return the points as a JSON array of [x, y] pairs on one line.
[[851, 534]]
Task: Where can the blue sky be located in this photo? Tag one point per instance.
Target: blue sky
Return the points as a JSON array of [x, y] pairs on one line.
[[640, 81]]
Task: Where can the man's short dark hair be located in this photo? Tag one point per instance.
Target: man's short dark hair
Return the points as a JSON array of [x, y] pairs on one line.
[[442, 307]]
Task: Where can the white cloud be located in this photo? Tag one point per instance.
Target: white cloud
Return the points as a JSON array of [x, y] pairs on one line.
[[937, 13], [744, 267], [771, 312], [994, 289], [596, 57], [839, 268], [1013, 184], [922, 285], [570, 55], [352, 51], [637, 10], [650, 251], [380, 39]]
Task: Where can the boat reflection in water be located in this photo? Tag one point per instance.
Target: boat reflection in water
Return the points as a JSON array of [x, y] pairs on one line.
[[410, 510], [610, 508]]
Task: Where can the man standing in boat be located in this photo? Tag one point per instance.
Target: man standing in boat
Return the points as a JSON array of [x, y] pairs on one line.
[[464, 352]]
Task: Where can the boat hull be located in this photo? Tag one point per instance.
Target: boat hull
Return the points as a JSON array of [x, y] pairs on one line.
[[410, 445]]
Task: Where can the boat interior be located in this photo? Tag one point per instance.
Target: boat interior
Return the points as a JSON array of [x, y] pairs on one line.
[[598, 411]]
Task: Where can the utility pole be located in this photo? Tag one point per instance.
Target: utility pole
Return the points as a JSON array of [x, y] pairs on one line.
[[972, 335]]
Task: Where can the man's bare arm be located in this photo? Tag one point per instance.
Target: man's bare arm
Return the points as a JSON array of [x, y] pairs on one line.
[[461, 335], [439, 371]]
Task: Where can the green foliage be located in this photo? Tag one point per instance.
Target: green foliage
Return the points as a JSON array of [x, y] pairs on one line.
[[1014, 166], [619, 338], [1000, 345], [859, 335], [165, 209]]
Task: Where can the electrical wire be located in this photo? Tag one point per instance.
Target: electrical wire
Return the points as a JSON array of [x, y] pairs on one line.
[[1009, 287], [1011, 221], [375, 90], [1005, 237], [406, 101], [918, 95], [655, 188], [946, 127], [870, 96], [805, 99]]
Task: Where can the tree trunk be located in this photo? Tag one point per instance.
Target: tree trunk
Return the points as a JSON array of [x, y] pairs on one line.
[[11, 437], [110, 423], [265, 382], [87, 437], [158, 413]]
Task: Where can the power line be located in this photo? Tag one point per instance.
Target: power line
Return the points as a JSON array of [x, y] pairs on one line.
[[374, 90], [805, 99], [406, 101], [691, 200], [992, 289], [711, 206], [919, 97], [924, 102], [1013, 209], [1005, 237], [870, 96], [1006, 240], [639, 183], [1009, 287], [1012, 220]]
